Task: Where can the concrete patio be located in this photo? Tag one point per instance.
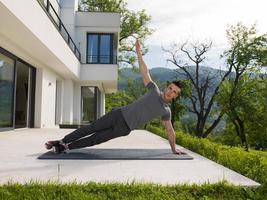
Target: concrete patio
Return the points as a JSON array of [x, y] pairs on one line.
[[20, 149]]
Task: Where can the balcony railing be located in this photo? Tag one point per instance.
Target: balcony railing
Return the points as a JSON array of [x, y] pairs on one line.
[[101, 59], [52, 14]]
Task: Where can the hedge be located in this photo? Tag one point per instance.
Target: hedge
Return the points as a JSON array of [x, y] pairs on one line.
[[250, 164]]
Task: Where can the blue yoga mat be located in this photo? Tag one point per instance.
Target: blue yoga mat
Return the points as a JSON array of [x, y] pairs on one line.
[[116, 154]]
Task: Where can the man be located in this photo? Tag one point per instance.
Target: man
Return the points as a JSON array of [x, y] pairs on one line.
[[121, 121]]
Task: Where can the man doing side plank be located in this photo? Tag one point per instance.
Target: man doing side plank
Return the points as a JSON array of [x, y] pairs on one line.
[[121, 121]]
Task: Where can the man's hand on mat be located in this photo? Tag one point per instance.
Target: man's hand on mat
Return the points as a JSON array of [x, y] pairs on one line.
[[175, 151]]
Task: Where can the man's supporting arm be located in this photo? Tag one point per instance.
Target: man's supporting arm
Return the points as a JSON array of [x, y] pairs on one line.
[[171, 136], [142, 66]]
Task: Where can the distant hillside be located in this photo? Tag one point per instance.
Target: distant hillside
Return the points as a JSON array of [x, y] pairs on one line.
[[162, 74]]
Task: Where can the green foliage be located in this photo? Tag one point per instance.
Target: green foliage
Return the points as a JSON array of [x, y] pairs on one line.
[[102, 191], [227, 136], [178, 108], [241, 97], [135, 89], [133, 25], [248, 50], [189, 126], [117, 99], [251, 164], [249, 102]]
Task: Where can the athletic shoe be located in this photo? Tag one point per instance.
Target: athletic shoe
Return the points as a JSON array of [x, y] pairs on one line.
[[51, 144]]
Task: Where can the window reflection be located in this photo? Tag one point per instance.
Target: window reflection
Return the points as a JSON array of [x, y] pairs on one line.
[[6, 91], [88, 104], [100, 48]]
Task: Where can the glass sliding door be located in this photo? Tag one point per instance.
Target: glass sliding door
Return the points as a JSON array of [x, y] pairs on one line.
[[7, 69], [17, 91], [22, 95]]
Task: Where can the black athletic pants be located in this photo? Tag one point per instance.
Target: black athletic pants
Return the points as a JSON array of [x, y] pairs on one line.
[[107, 127]]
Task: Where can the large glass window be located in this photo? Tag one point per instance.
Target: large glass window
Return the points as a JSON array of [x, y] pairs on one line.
[[6, 91], [90, 105], [22, 95], [17, 86], [100, 48]]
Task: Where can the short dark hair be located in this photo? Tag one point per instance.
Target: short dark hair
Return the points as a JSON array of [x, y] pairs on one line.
[[178, 84]]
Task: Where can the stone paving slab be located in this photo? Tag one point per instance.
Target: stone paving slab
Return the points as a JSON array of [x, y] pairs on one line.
[[19, 150]]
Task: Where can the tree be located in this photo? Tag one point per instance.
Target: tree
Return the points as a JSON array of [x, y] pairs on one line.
[[177, 106], [255, 112], [133, 25], [117, 99], [135, 88], [250, 106], [247, 55], [202, 98]]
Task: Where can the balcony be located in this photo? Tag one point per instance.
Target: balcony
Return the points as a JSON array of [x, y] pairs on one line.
[[101, 59], [105, 74], [27, 32], [54, 17]]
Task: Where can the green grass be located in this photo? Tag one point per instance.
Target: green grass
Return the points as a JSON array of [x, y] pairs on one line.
[[112, 191], [252, 164]]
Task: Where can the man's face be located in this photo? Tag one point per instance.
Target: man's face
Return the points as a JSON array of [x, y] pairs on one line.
[[171, 92]]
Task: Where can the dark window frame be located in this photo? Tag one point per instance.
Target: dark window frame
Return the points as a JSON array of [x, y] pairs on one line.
[[111, 56]]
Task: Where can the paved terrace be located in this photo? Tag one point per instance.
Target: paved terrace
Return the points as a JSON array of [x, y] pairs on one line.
[[19, 150]]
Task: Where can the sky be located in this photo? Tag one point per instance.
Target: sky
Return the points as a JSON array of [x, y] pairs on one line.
[[176, 21]]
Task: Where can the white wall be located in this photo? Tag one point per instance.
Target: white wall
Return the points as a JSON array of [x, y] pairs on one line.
[[68, 96], [102, 104], [98, 19], [77, 103], [106, 74], [67, 15], [38, 99], [45, 98], [59, 101]]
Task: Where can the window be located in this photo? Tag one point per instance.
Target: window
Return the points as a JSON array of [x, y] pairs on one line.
[[100, 48], [17, 84], [90, 104], [7, 67]]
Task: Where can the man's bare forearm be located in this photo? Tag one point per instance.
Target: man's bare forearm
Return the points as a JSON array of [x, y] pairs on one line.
[[142, 65], [171, 139]]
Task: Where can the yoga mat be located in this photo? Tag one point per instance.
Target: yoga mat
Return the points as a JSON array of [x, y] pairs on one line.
[[116, 154]]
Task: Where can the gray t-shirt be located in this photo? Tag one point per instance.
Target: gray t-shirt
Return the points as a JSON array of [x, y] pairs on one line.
[[147, 107]]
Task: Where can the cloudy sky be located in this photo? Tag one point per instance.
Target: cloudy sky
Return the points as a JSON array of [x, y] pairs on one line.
[[175, 21]]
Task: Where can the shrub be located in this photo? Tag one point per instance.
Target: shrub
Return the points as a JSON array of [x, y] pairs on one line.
[[250, 164]]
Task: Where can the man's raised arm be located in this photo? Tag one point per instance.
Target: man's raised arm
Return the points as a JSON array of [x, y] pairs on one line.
[[142, 66]]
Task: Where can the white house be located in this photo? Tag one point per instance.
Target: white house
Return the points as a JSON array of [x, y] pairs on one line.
[[56, 63]]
